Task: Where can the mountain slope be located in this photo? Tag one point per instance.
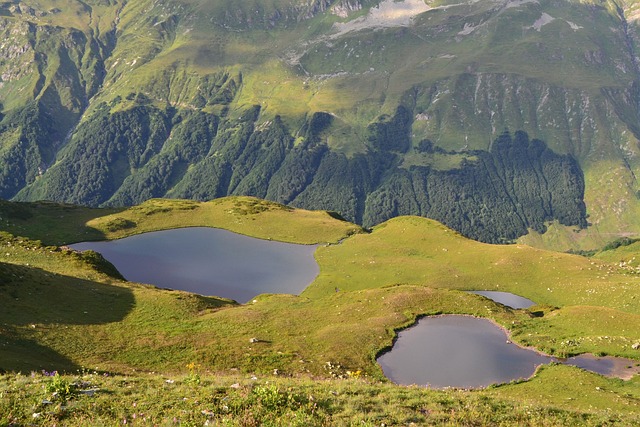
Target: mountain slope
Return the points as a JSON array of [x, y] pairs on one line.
[[371, 109]]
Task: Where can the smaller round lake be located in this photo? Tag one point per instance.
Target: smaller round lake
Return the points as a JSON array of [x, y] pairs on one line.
[[211, 261], [469, 352], [457, 351]]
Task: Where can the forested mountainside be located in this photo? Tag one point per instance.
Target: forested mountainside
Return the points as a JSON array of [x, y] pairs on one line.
[[495, 117]]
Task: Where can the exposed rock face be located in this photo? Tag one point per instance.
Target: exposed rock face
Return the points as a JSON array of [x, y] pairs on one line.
[[16, 51], [345, 7]]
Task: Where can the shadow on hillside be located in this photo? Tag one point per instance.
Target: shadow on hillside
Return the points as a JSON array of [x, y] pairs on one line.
[[24, 355], [35, 296], [52, 223], [35, 301]]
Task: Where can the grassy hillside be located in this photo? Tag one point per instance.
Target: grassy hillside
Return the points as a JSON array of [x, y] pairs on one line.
[[57, 319]]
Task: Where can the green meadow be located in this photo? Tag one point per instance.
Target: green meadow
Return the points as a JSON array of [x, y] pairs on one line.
[[174, 358]]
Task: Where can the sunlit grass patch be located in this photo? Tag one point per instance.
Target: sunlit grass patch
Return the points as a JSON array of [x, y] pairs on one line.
[[103, 399], [244, 215]]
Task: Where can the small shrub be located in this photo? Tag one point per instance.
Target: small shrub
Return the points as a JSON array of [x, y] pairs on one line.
[[60, 388], [623, 241], [272, 400]]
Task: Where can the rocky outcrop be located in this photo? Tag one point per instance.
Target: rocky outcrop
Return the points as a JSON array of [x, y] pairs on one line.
[[344, 8]]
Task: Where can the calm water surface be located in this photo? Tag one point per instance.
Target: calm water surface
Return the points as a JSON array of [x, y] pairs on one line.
[[211, 261], [506, 298], [468, 352], [457, 351], [610, 366]]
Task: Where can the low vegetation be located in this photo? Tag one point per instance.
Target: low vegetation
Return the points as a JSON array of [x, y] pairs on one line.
[[91, 398]]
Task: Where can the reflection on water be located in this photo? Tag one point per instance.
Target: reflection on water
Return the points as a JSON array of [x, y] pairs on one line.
[[211, 261], [468, 352]]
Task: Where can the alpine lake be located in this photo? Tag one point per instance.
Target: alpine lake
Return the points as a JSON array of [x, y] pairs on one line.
[[469, 352], [210, 261], [438, 351]]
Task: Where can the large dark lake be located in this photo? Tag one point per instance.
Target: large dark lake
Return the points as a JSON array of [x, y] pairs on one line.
[[211, 261]]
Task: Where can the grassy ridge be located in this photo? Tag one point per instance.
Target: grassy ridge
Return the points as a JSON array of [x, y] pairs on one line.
[[582, 300], [64, 224], [244, 215], [419, 250]]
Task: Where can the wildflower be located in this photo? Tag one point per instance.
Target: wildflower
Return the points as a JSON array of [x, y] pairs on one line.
[[354, 374]]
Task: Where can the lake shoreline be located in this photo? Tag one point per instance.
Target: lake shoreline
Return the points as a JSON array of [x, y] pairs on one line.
[[622, 368]]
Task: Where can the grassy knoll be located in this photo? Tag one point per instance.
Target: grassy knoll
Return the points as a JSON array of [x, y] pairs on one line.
[[51, 223], [567, 387], [419, 250], [58, 224], [244, 215], [70, 311]]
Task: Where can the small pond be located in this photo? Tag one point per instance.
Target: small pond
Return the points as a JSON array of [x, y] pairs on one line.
[[457, 351], [211, 261], [506, 298], [468, 352]]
